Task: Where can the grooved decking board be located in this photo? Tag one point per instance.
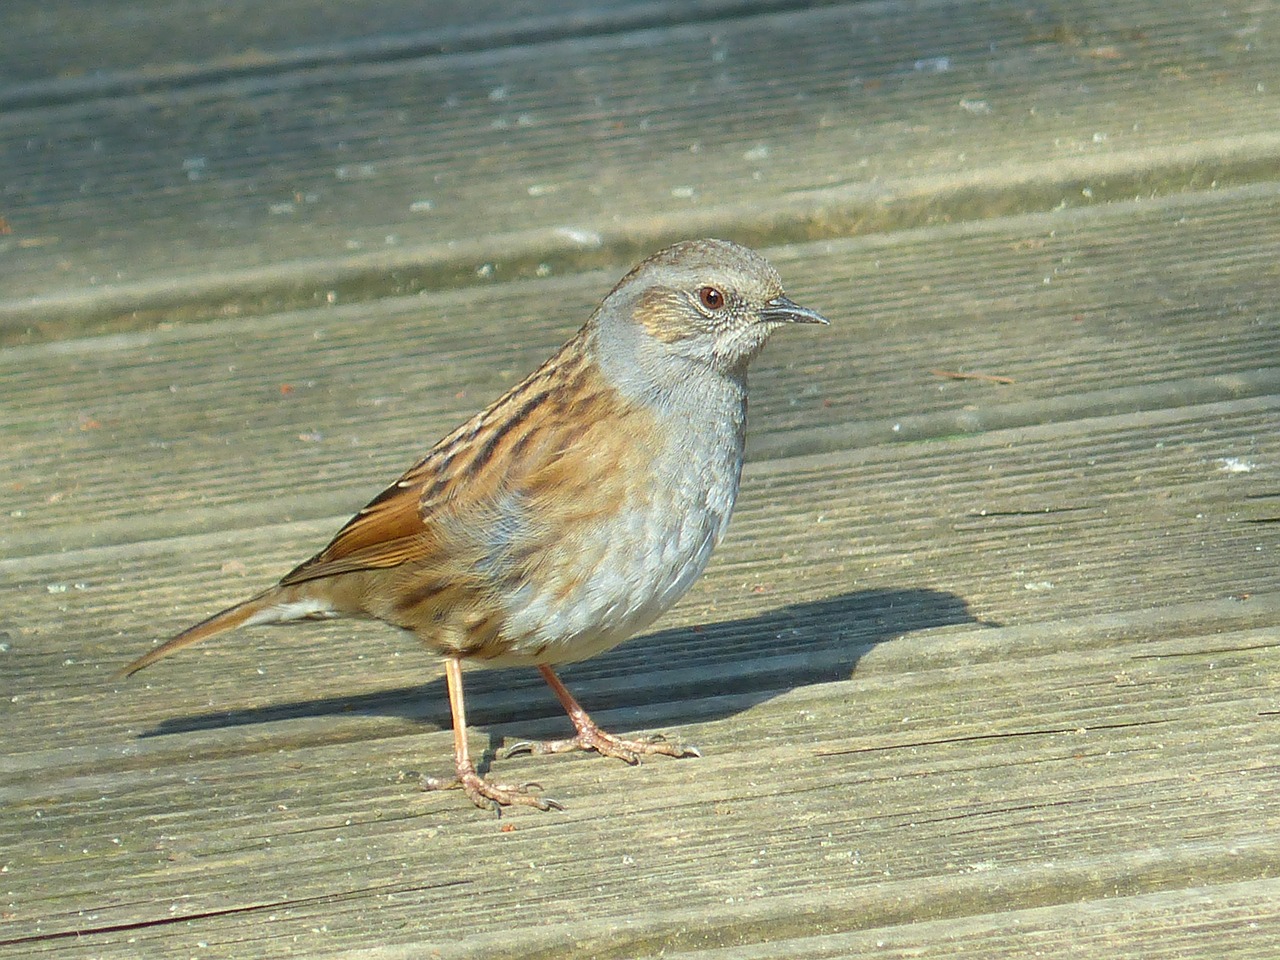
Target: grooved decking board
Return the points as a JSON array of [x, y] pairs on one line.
[[357, 179], [1232, 919], [65, 49]]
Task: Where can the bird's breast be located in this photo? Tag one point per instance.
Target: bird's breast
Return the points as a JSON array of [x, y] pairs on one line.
[[626, 536]]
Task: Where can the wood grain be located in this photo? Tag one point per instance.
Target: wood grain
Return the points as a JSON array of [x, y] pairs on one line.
[[359, 177]]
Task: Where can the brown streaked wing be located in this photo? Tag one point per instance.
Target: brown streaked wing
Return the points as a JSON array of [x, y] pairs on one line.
[[390, 529], [523, 442], [387, 532]]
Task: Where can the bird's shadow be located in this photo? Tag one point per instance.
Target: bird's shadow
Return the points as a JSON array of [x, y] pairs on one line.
[[677, 675]]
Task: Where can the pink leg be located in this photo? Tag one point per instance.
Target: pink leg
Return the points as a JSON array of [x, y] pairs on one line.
[[482, 792], [591, 737]]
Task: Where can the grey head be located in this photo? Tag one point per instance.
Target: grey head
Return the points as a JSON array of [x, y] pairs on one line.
[[700, 303]]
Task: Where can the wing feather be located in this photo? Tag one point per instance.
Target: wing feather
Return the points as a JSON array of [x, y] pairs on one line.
[[415, 520]]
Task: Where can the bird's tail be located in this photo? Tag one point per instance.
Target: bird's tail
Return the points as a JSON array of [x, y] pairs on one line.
[[271, 606]]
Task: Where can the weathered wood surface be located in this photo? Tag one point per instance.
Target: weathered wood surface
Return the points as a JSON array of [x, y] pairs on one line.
[[371, 172], [984, 669]]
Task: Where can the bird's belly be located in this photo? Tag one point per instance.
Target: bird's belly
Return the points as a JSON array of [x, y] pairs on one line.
[[616, 578]]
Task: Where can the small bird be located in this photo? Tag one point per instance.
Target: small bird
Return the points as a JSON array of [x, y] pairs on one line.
[[568, 515]]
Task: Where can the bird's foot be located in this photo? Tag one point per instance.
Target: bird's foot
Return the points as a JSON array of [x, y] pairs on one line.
[[494, 796], [591, 737]]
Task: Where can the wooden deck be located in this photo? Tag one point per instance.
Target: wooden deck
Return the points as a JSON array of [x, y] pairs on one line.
[[984, 669]]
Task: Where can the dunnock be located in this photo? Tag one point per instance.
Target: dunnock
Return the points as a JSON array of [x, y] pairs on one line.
[[569, 514]]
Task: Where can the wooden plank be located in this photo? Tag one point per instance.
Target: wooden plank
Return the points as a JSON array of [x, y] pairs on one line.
[[1023, 659], [307, 415], [63, 50], [294, 185], [1231, 919]]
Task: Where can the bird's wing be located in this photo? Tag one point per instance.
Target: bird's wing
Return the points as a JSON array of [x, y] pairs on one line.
[[549, 435], [399, 524]]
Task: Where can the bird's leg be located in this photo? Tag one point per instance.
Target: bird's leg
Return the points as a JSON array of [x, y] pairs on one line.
[[483, 794], [591, 737]]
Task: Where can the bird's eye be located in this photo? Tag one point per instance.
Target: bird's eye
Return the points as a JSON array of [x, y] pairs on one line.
[[711, 298]]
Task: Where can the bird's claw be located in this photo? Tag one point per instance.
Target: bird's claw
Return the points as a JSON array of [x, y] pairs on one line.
[[494, 796]]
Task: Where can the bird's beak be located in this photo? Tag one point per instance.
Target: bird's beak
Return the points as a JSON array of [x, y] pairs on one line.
[[785, 310]]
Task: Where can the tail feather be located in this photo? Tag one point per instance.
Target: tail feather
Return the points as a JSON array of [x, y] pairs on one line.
[[264, 608]]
